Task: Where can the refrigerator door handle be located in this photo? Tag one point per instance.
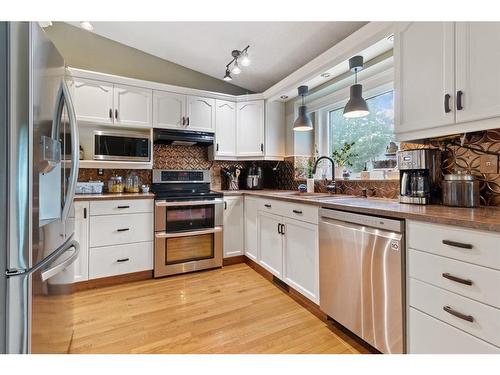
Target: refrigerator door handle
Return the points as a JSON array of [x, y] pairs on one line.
[[75, 150], [59, 267]]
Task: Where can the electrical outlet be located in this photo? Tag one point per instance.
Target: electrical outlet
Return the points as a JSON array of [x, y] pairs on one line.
[[100, 172], [488, 164]]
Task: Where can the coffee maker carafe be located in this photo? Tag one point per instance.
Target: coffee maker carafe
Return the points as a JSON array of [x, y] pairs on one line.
[[420, 176]]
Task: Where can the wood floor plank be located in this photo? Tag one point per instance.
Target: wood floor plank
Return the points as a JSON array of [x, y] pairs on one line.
[[228, 310]]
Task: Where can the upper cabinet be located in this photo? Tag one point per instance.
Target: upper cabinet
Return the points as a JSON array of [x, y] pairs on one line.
[[177, 111], [225, 128], [93, 101], [133, 106], [446, 80], [200, 113], [477, 70], [103, 103], [274, 145], [250, 128]]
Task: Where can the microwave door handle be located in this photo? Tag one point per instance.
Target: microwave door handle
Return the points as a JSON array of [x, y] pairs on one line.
[[75, 151]]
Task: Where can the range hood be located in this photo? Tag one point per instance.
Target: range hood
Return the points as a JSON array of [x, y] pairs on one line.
[[183, 137]]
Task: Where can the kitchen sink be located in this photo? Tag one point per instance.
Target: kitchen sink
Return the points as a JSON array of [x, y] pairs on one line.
[[303, 195]]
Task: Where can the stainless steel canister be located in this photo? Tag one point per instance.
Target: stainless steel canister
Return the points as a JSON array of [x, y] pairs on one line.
[[460, 190]]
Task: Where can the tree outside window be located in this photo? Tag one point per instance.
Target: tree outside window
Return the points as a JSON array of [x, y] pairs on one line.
[[370, 134]]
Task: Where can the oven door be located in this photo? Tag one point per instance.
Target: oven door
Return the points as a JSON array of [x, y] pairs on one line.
[[187, 251], [126, 146]]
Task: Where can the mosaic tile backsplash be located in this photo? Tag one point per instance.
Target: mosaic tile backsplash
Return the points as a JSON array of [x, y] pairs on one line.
[[288, 174]]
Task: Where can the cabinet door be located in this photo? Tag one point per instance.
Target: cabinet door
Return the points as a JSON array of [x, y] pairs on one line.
[[80, 268], [271, 243], [200, 113], [275, 129], [478, 72], [93, 101], [251, 228], [424, 64], [250, 128], [225, 128], [169, 110], [301, 258], [133, 106], [233, 226]]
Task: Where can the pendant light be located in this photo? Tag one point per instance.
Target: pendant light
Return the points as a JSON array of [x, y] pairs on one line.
[[356, 106], [303, 122]]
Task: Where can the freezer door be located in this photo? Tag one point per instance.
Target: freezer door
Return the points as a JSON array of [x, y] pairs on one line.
[[51, 328], [361, 281]]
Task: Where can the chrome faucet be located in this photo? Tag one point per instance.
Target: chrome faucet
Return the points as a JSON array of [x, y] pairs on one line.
[[331, 186]]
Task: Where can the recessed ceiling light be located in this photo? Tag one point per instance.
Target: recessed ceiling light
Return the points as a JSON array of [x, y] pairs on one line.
[[390, 38], [86, 25], [325, 75], [284, 97]]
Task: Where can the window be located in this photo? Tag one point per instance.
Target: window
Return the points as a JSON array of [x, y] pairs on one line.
[[371, 134]]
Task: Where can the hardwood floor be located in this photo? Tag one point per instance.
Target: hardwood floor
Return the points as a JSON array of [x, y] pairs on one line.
[[228, 310]]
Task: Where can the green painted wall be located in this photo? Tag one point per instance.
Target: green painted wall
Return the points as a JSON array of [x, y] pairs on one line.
[[86, 50]]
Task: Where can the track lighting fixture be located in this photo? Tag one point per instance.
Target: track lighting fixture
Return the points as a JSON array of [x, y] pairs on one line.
[[239, 58]]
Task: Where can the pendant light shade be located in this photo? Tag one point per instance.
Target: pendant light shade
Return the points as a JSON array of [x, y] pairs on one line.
[[356, 106], [303, 121]]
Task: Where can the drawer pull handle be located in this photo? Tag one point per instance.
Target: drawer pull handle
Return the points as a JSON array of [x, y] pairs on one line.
[[123, 229], [458, 244], [449, 310], [267, 205], [457, 279], [297, 212], [122, 260], [123, 207]]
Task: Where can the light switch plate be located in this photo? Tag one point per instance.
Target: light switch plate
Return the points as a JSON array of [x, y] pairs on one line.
[[488, 164]]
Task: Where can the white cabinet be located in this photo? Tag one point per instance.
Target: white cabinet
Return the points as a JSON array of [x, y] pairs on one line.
[[301, 258], [233, 226], [477, 70], [250, 128], [271, 243], [446, 78], [80, 268], [177, 111], [93, 101], [425, 73], [251, 227], [288, 246], [274, 145], [168, 110], [200, 113], [133, 106], [105, 103], [225, 128]]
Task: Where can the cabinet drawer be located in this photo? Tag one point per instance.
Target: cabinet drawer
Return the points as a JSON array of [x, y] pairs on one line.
[[430, 336], [120, 229], [433, 301], [430, 268], [126, 206], [440, 239], [297, 211], [120, 259]]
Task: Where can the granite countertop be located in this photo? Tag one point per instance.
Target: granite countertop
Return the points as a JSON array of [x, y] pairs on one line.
[[111, 196], [483, 218]]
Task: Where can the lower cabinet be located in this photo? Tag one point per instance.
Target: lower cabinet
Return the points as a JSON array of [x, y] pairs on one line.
[[289, 249], [251, 227], [80, 268], [301, 260], [233, 240], [271, 243]]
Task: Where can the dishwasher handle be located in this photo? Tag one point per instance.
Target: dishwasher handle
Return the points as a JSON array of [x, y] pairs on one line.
[[390, 225]]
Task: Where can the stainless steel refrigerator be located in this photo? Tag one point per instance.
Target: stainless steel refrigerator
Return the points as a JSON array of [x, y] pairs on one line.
[[38, 172]]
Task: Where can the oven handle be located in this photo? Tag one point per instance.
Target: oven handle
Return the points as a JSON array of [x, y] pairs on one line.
[[188, 203], [187, 234]]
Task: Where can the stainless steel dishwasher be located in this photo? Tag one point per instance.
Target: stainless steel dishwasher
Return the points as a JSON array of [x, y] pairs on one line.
[[361, 276]]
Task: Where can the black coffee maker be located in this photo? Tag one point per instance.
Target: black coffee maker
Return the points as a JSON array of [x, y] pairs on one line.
[[419, 176]]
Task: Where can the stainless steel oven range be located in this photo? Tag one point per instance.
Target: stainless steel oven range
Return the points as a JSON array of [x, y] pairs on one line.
[[188, 222]]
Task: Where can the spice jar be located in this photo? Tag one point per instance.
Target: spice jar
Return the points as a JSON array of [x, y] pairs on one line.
[[132, 183], [115, 184]]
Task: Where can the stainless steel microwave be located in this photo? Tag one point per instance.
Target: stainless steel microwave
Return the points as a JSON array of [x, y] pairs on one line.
[[122, 145]]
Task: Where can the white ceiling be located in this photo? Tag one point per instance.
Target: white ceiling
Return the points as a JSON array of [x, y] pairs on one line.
[[276, 48]]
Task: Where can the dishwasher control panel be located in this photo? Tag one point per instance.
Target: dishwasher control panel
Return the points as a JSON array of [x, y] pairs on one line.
[[370, 221]]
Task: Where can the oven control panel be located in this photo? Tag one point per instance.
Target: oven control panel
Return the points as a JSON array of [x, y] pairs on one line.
[[180, 176]]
